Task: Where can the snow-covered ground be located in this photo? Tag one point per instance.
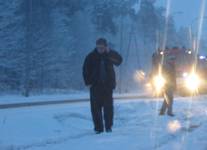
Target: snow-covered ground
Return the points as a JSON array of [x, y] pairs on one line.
[[137, 127]]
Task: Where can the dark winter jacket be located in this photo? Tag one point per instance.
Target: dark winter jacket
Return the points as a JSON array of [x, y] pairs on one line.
[[156, 60], [91, 67], [169, 73]]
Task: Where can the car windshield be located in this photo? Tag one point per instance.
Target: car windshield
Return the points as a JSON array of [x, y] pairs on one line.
[[183, 62]]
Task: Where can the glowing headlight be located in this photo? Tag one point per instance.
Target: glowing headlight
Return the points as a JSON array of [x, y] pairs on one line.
[[185, 74], [202, 57], [159, 83], [192, 82]]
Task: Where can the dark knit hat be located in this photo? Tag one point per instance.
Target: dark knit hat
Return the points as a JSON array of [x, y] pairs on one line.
[[101, 41]]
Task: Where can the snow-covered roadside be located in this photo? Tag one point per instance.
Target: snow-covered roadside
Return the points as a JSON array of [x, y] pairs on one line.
[[10, 99], [137, 126]]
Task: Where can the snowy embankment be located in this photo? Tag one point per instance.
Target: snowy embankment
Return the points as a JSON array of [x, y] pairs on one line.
[[137, 127]]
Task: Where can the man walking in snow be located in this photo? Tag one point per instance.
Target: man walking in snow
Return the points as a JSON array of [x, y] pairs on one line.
[[169, 73], [99, 75]]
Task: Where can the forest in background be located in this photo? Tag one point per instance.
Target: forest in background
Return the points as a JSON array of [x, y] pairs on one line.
[[43, 43]]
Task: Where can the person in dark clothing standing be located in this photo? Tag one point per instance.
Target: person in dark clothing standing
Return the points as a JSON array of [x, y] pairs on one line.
[[156, 58], [99, 75], [156, 61], [169, 73]]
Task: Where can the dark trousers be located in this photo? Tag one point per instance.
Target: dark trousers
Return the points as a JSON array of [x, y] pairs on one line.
[[101, 101], [168, 101]]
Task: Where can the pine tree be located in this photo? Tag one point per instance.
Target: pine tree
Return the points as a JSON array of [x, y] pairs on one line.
[[36, 24], [104, 14], [10, 46]]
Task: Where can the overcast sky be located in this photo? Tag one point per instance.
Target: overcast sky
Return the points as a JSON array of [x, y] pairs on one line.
[[190, 10]]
